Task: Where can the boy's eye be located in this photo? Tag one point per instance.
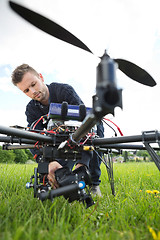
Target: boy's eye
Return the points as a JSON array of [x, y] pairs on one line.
[[27, 90]]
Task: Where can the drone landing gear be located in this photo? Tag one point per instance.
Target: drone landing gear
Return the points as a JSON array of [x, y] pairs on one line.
[[35, 184], [110, 171], [148, 147], [108, 162]]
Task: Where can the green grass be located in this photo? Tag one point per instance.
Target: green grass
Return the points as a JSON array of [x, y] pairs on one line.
[[128, 215]]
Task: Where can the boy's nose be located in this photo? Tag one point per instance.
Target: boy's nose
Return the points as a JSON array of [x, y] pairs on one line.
[[32, 90]]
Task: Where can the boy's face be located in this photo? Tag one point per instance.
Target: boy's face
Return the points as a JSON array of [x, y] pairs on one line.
[[33, 86]]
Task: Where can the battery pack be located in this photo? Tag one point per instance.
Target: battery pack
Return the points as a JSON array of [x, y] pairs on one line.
[[65, 111]]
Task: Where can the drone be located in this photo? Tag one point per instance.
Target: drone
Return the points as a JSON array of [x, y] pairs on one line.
[[70, 129]]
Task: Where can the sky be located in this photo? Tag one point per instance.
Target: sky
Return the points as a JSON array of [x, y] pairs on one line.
[[127, 29]]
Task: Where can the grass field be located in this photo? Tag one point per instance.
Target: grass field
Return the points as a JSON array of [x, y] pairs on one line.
[[134, 213]]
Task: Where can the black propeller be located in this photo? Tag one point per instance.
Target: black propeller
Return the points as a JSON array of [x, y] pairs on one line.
[[135, 72], [130, 69], [48, 26]]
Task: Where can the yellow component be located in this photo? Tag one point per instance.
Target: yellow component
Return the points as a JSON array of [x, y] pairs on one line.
[[88, 148]]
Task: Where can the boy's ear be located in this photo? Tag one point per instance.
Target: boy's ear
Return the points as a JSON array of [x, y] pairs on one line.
[[40, 75]]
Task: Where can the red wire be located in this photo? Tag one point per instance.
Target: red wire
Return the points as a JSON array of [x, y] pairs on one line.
[[35, 145], [115, 125], [44, 180], [50, 131], [37, 122], [69, 145]]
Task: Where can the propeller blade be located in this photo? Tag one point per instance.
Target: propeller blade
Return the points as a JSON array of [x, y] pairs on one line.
[[134, 72], [130, 69], [48, 26]]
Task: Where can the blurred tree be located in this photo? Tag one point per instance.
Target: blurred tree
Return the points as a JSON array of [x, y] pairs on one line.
[[125, 155], [29, 154], [144, 154], [21, 156], [7, 156]]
